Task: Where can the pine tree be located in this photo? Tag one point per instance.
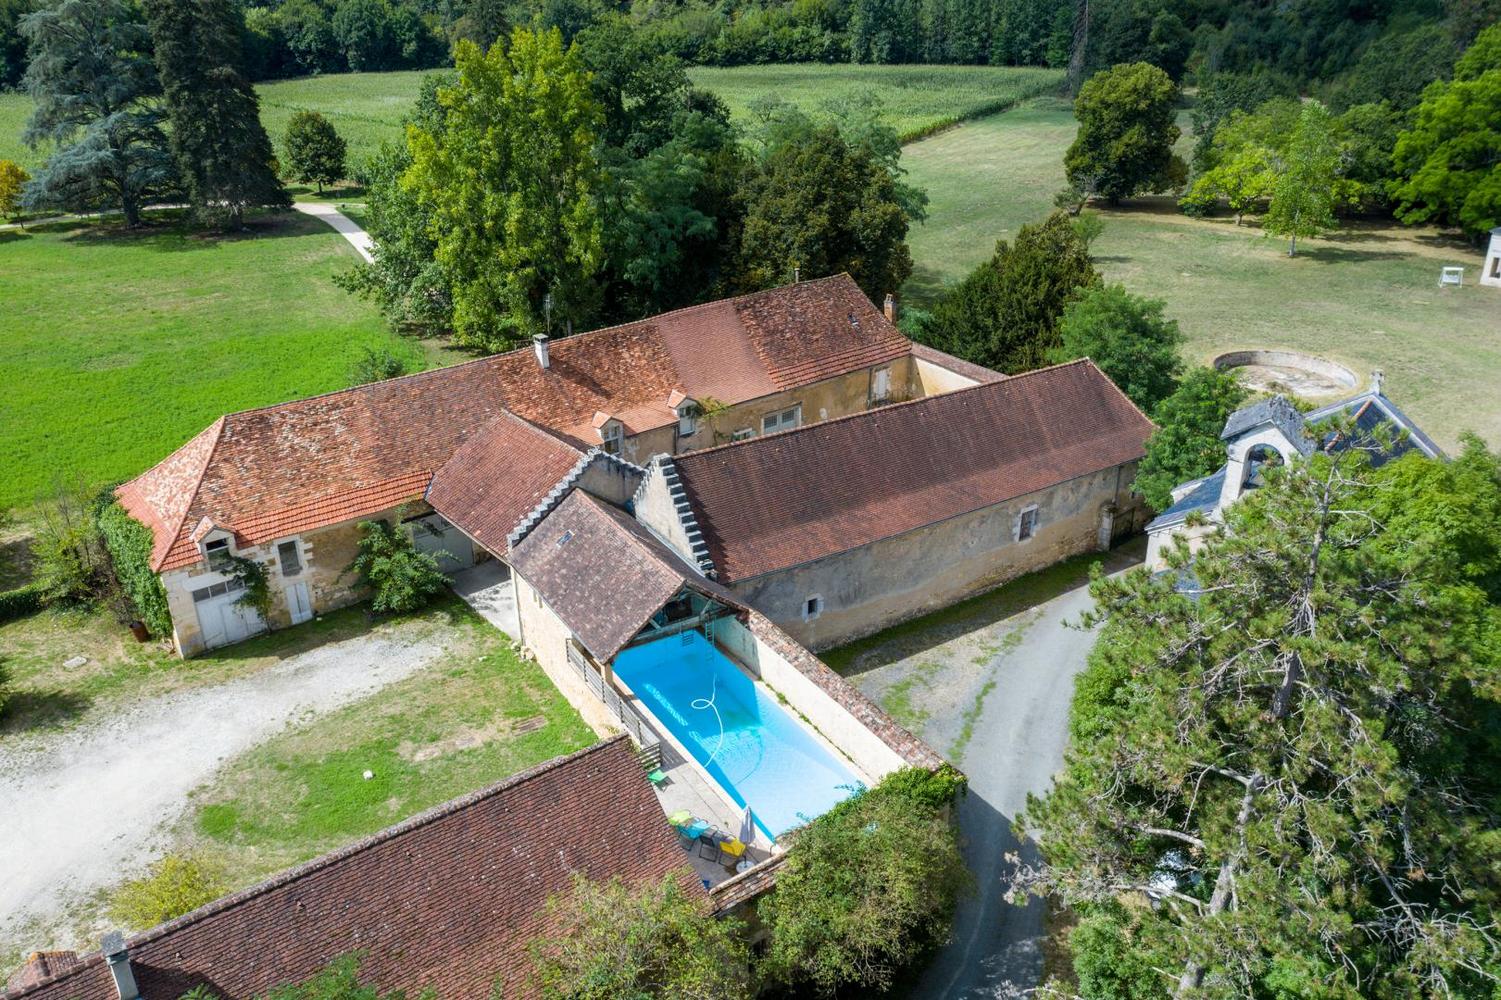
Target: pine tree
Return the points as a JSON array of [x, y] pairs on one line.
[[1282, 782], [94, 86], [218, 141]]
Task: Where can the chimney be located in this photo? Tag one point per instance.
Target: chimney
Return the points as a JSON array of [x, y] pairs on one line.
[[539, 344], [797, 274], [890, 308], [118, 959], [1377, 377]]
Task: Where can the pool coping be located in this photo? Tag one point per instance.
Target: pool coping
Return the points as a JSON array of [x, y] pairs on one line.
[[665, 733]]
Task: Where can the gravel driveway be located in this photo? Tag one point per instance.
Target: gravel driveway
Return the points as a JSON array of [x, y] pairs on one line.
[[85, 808], [995, 699]]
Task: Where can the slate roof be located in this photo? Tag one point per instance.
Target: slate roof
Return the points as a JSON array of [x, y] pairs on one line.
[[1275, 410], [785, 499], [273, 472], [1371, 414], [603, 573], [448, 900], [499, 476]]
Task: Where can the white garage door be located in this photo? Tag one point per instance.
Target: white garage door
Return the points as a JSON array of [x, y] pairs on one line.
[[221, 618], [433, 534]]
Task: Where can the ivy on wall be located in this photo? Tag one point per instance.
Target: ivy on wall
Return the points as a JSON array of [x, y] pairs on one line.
[[129, 544]]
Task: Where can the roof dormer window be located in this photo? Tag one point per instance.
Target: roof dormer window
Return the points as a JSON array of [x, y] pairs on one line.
[[612, 436], [218, 554]]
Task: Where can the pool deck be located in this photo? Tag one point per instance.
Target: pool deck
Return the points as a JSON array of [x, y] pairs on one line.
[[686, 789]]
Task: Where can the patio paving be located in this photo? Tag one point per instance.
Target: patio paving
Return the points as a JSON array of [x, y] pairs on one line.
[[487, 588], [686, 789]]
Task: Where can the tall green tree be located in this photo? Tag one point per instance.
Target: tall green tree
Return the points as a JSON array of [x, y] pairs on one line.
[[1304, 197], [1293, 763], [315, 151], [1005, 313], [95, 89], [821, 205], [1186, 444], [1449, 161], [12, 42], [1128, 337], [512, 182], [1126, 133], [221, 148], [614, 941]]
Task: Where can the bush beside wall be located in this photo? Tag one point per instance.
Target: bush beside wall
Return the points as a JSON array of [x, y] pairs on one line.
[[21, 602], [129, 544]]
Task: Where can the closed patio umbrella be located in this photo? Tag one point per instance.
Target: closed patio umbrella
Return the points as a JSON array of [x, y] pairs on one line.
[[747, 831]]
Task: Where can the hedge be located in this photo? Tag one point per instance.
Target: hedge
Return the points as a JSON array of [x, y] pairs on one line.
[[20, 602], [129, 543]]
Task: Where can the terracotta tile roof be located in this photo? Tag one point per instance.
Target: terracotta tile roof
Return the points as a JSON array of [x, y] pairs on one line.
[[602, 573], [273, 472], [41, 965], [785, 499], [499, 476], [447, 900]]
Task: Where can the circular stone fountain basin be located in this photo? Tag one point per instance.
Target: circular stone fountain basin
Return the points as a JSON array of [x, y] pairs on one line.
[[1288, 371]]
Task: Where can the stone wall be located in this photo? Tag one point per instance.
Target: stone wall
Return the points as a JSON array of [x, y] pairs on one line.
[[878, 585], [544, 637], [325, 555]]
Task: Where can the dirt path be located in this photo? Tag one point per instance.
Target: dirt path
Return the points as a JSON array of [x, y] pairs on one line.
[[86, 808]]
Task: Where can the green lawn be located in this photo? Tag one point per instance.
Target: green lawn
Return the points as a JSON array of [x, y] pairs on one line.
[[1367, 296], [476, 717], [120, 346], [367, 108], [914, 97]]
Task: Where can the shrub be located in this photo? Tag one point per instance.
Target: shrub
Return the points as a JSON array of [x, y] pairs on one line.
[[21, 602], [400, 578], [867, 887], [175, 885], [376, 364], [1128, 337], [128, 542], [12, 179], [4, 684], [72, 561], [1186, 443], [615, 941]]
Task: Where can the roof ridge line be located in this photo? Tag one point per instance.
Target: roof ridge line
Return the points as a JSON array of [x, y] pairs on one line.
[[900, 405], [208, 460], [421, 819]]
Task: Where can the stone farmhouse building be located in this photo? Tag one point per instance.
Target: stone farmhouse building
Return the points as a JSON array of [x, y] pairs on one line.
[[1273, 432], [475, 455]]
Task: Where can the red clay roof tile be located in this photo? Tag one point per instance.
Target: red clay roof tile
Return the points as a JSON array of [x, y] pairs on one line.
[[785, 499], [276, 471]]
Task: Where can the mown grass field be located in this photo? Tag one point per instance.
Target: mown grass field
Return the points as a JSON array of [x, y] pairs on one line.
[[367, 108], [1367, 296], [120, 346]]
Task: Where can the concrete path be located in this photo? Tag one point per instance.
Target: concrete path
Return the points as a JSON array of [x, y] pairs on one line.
[[1013, 679], [85, 809], [343, 224], [487, 589]]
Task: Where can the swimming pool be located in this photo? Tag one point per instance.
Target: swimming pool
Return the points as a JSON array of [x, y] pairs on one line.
[[757, 751]]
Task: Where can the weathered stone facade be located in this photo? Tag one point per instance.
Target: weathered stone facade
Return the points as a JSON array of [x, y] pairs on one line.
[[865, 589], [324, 556]]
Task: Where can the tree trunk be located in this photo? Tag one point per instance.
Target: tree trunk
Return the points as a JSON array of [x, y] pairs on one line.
[[1081, 44], [1224, 885], [130, 208], [1292, 248]]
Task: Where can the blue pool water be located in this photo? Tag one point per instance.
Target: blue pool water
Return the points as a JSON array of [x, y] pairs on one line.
[[763, 757]]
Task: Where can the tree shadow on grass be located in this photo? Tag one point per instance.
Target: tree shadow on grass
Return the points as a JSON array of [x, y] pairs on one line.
[[27, 710], [175, 235], [925, 287], [14, 235], [1347, 255]]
